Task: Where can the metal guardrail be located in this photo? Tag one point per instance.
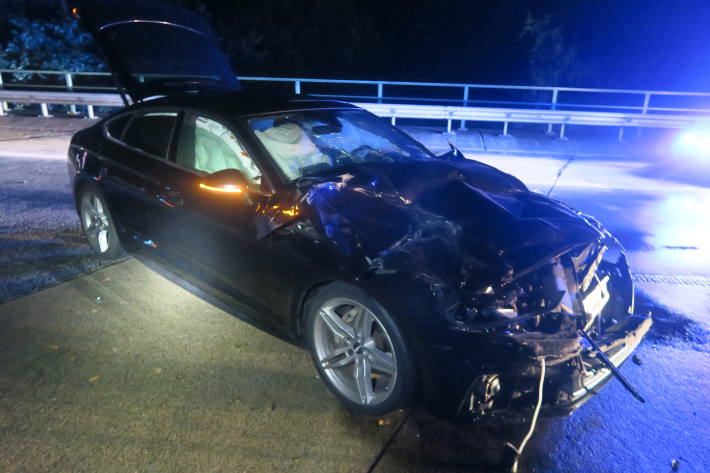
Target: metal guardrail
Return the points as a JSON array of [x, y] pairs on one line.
[[396, 111], [442, 101], [505, 116], [90, 100]]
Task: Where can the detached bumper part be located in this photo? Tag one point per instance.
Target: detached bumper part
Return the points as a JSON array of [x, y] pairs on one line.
[[621, 348], [568, 384]]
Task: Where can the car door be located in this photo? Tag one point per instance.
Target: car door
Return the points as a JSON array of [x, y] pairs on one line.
[[212, 235], [135, 157]]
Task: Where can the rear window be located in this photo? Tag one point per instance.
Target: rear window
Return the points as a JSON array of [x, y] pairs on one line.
[[151, 132]]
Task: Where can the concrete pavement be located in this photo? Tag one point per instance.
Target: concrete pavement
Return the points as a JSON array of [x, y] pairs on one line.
[[122, 370]]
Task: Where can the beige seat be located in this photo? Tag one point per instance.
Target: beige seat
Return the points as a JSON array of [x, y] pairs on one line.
[[212, 154], [291, 148], [216, 148]]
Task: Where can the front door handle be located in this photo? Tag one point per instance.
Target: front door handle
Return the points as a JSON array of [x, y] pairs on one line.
[[169, 197]]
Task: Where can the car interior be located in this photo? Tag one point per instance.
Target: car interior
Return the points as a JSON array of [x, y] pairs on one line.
[[209, 146]]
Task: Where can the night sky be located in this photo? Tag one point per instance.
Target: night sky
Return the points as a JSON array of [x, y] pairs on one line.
[[644, 44]]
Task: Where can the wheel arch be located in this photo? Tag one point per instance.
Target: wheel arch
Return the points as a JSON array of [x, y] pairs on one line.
[[82, 182], [306, 294]]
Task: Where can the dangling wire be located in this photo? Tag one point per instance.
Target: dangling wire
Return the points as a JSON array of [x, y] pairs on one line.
[[559, 174], [533, 423]]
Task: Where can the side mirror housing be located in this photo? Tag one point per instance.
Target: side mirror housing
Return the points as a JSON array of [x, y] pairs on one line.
[[227, 182]]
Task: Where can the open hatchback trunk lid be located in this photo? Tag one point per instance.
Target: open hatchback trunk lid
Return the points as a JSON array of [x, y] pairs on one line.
[[155, 49]]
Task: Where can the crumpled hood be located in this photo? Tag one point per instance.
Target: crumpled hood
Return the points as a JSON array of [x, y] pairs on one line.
[[453, 222]]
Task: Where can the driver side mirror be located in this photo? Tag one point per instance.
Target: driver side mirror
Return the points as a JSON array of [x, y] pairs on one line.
[[227, 182]]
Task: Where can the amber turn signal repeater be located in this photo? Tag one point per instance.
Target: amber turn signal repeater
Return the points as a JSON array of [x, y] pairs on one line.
[[227, 188]]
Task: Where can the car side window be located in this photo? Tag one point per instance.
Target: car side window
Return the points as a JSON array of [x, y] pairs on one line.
[[208, 146], [115, 126], [151, 132]]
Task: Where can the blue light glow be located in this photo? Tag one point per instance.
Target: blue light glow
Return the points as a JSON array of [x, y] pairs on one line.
[[693, 143]]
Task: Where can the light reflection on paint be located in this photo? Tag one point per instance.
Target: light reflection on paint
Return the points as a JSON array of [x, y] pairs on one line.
[[276, 209]]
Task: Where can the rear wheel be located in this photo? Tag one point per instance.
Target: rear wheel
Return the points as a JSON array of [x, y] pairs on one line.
[[97, 223], [358, 350]]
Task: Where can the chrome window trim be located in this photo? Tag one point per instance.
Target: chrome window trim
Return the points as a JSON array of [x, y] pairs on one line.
[[133, 117]]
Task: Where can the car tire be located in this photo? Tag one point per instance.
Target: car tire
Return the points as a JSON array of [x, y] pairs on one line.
[[97, 223], [358, 349]]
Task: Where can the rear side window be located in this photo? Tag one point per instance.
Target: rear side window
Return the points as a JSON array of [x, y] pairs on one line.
[[116, 126], [151, 132]]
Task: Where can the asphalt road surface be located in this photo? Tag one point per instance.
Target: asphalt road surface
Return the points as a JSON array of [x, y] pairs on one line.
[[122, 370]]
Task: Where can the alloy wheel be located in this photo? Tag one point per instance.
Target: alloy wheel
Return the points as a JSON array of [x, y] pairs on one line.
[[355, 351], [97, 224]]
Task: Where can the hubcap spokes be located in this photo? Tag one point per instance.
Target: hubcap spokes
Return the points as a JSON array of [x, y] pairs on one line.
[[355, 351], [96, 223]]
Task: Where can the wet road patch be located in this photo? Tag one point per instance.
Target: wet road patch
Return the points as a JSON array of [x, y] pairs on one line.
[[672, 328]]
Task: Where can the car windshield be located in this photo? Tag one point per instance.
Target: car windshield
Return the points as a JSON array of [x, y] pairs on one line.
[[307, 142]]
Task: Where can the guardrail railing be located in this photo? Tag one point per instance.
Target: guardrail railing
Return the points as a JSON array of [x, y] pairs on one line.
[[460, 102]]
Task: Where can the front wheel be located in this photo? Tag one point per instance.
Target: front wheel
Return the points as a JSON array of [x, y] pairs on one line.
[[358, 350], [97, 224]]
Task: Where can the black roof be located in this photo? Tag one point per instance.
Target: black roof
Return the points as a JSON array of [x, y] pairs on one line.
[[240, 103]]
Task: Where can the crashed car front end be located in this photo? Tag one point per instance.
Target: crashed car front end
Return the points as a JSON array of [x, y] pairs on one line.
[[506, 334], [490, 283], [493, 279]]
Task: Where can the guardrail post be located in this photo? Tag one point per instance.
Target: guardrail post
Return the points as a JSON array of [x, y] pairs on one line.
[[3, 105], [90, 111], [621, 133], [379, 92], [462, 125], [45, 110], [297, 87], [646, 101], [394, 121], [562, 131], [448, 126], [644, 110], [505, 128], [70, 86], [553, 106]]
